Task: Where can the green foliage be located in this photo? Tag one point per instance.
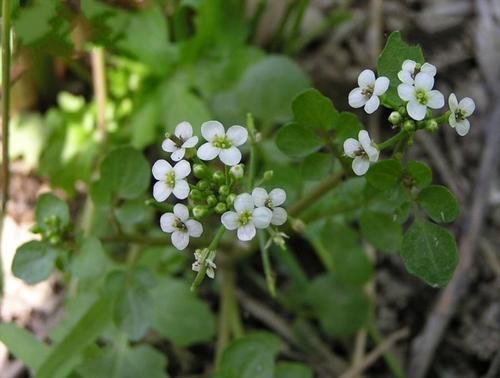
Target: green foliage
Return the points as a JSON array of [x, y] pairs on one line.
[[385, 174], [34, 261], [296, 141], [430, 252], [313, 110], [439, 204], [50, 209], [381, 230], [420, 174], [292, 370]]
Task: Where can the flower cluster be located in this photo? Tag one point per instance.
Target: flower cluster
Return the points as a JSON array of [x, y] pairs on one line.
[[415, 89], [209, 190]]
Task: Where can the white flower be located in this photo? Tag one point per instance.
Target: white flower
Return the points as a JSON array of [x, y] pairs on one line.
[[368, 91], [180, 226], [459, 113], [410, 69], [420, 96], [200, 260], [183, 138], [170, 179], [272, 201], [221, 143], [363, 151], [246, 218]]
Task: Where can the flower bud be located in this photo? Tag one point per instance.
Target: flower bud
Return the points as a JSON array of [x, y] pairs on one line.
[[55, 239], [409, 125], [402, 110], [200, 212], [431, 125], [220, 208], [196, 195], [230, 199], [268, 175], [218, 177], [237, 171], [224, 190], [395, 118], [203, 185], [201, 171], [211, 200], [298, 226]]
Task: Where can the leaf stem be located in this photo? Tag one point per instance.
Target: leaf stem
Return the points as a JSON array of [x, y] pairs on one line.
[[392, 141], [266, 262]]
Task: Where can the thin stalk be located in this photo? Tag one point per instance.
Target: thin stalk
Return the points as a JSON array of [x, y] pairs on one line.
[[100, 90], [266, 262], [227, 296], [5, 119], [253, 151], [389, 358], [392, 141]]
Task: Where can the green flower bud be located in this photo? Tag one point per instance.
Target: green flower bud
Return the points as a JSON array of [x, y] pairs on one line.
[[196, 195], [200, 212], [224, 190], [402, 110], [203, 185], [409, 125], [211, 200], [431, 125], [395, 118], [201, 171], [237, 171], [55, 239], [268, 175], [36, 229], [230, 199], [220, 208], [218, 177]]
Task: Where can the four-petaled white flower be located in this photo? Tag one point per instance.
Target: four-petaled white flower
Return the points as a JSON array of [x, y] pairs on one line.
[[200, 260], [180, 226], [411, 69], [183, 138], [420, 96], [246, 218], [221, 143], [364, 151], [368, 91], [459, 113], [170, 179], [272, 201]]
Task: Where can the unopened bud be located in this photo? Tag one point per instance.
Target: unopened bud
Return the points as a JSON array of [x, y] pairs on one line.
[[203, 185], [224, 190], [196, 195], [237, 171], [218, 177], [268, 175], [211, 200], [402, 110], [230, 199], [395, 118], [431, 125], [409, 125], [201, 171], [200, 212], [220, 208], [298, 226]]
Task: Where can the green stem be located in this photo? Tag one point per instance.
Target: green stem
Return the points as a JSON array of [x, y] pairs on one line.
[[266, 262], [5, 119], [392, 141], [316, 193], [443, 118], [211, 247], [390, 359], [253, 151], [227, 296]]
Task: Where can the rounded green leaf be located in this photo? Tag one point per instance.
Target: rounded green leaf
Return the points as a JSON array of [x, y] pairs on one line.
[[133, 311], [420, 174], [381, 230], [312, 110], [297, 141], [430, 252], [317, 166], [385, 174], [439, 204], [34, 261], [292, 370], [347, 125], [48, 206]]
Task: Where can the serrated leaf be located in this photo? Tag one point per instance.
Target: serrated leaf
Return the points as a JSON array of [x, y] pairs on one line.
[[430, 252], [296, 141], [385, 174], [34, 261], [381, 230], [312, 110], [439, 204]]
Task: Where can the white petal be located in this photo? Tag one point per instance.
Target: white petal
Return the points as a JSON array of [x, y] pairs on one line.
[[230, 220], [230, 156], [212, 129], [178, 154], [453, 102], [184, 130], [381, 86], [364, 138], [406, 92], [428, 69], [435, 99], [405, 77], [210, 272], [261, 217], [160, 191], [160, 169], [247, 232], [416, 110], [169, 145], [243, 202], [366, 78], [195, 229], [424, 81], [190, 142], [356, 98], [467, 105], [279, 216], [182, 169], [452, 119], [372, 104], [208, 152], [278, 196], [351, 146], [463, 127], [409, 65], [373, 153], [360, 165], [181, 189], [167, 221], [180, 239], [259, 196], [238, 135], [181, 212]]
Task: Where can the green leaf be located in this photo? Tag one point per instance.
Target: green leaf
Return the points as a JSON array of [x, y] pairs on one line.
[[385, 174], [133, 212], [341, 308], [381, 230], [292, 370], [312, 110], [48, 206], [268, 88], [61, 359], [91, 263], [134, 311], [390, 62], [251, 356], [23, 345], [439, 203], [347, 125], [317, 166], [34, 261], [179, 315], [297, 141], [420, 173], [125, 173], [430, 252]]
